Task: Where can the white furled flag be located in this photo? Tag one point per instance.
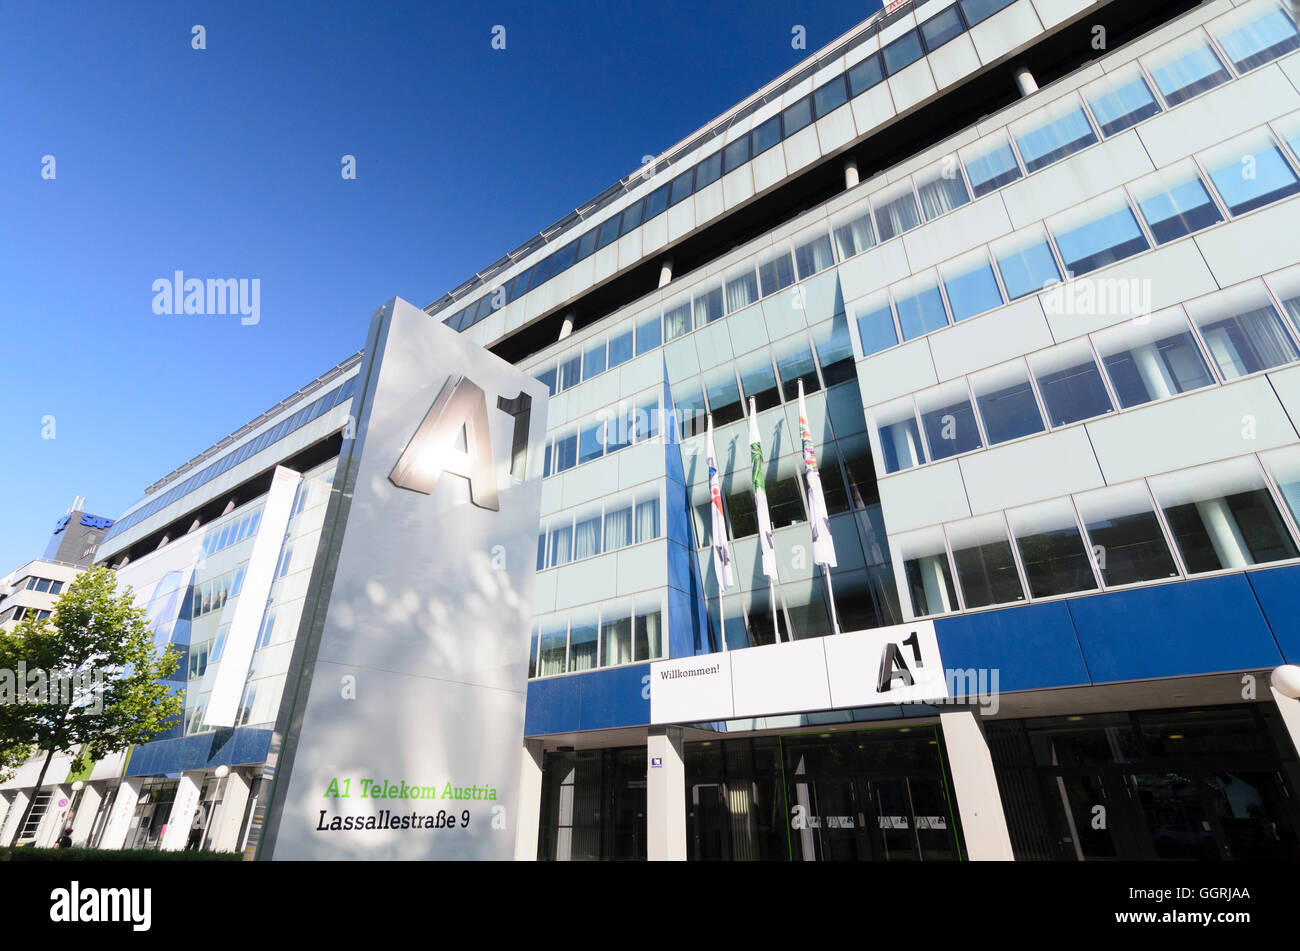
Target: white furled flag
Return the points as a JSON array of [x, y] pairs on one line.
[[765, 543], [823, 544], [721, 556]]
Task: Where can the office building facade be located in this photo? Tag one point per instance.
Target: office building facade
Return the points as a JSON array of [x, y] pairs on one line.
[[1029, 264]]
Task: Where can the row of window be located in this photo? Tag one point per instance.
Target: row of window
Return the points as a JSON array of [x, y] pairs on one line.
[[212, 595], [1173, 203], [1187, 68], [19, 612], [340, 394], [233, 532], [43, 585], [627, 424], [1230, 334], [1219, 517], [824, 100], [608, 525], [625, 631]]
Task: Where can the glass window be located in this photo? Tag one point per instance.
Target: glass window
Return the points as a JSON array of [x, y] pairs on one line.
[[1052, 549], [1098, 233], [593, 358], [986, 569], [648, 332], [709, 304], [902, 53], [758, 379], [723, 395], [1006, 402], [554, 645], [1121, 100], [1127, 543], [834, 350], [865, 75], [898, 437], [647, 418], [689, 408], [990, 163], [1289, 127], [1250, 172], [919, 305], [875, 322], [775, 270], [1242, 330], [1070, 383], [561, 542], [648, 633], [794, 363], [812, 252], [1052, 133], [1175, 202], [924, 574], [1026, 262], [565, 454], [742, 287], [797, 116], [682, 186], [564, 258], [735, 155], [591, 441], [895, 210], [1185, 68], [633, 215], [854, 232], [648, 525], [1287, 287], [571, 369], [941, 188], [1256, 35], [1222, 516], [948, 420], [620, 346], [942, 27], [708, 171], [1152, 359], [618, 524], [677, 318], [970, 285], [656, 203], [616, 633], [977, 11], [586, 533], [742, 518], [830, 96], [785, 498], [1284, 466], [766, 135]]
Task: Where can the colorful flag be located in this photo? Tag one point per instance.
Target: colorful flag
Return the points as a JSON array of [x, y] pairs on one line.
[[765, 544], [823, 544], [721, 556]]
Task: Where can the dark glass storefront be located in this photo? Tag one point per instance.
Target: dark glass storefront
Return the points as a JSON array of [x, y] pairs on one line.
[[593, 805], [1194, 785], [844, 796]]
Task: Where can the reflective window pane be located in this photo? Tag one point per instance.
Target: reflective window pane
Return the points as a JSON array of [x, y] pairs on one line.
[[1175, 202], [1152, 359], [621, 346], [830, 96], [896, 211], [898, 437], [648, 332], [1125, 536], [901, 53], [977, 11], [1256, 35], [1026, 262], [1070, 383], [775, 270], [948, 420], [854, 233], [941, 188], [942, 27], [1052, 549], [1099, 233], [735, 155], [970, 285], [709, 304], [1250, 172], [920, 306], [865, 75], [1054, 132], [797, 116], [990, 163], [812, 252], [1186, 68], [1121, 100], [766, 135], [875, 321], [924, 574], [1284, 466], [1243, 331], [1006, 402], [986, 569]]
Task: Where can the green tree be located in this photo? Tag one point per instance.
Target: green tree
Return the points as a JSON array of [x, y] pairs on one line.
[[108, 693]]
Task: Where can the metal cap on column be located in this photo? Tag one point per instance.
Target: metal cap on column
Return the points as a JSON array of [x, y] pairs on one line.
[[1025, 81]]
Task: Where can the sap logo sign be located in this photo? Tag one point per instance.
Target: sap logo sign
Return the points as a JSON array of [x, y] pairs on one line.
[[461, 408], [96, 521], [62, 523]]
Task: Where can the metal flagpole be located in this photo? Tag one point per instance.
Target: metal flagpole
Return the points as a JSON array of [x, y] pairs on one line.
[[819, 520]]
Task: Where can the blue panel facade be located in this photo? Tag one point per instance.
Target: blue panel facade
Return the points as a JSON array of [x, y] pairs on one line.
[[603, 699], [1278, 593], [1031, 647], [201, 751]]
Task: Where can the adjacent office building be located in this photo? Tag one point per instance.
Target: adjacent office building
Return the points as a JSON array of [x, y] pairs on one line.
[[1031, 264]]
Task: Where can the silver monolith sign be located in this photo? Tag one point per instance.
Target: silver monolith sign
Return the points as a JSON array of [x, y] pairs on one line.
[[403, 715]]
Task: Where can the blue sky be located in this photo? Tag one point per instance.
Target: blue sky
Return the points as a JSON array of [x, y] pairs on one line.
[[225, 163]]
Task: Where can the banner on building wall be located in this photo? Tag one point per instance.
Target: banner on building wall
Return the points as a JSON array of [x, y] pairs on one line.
[[400, 731], [886, 665]]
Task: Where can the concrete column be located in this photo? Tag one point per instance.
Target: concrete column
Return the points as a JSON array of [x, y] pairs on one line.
[[1152, 370], [665, 795], [184, 806], [227, 825], [528, 814], [84, 820], [566, 328], [850, 173], [976, 787], [665, 271], [1225, 535], [934, 584], [53, 822], [118, 824], [1025, 81], [18, 800]]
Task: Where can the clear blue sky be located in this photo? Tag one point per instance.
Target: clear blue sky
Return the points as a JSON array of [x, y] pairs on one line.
[[225, 163]]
